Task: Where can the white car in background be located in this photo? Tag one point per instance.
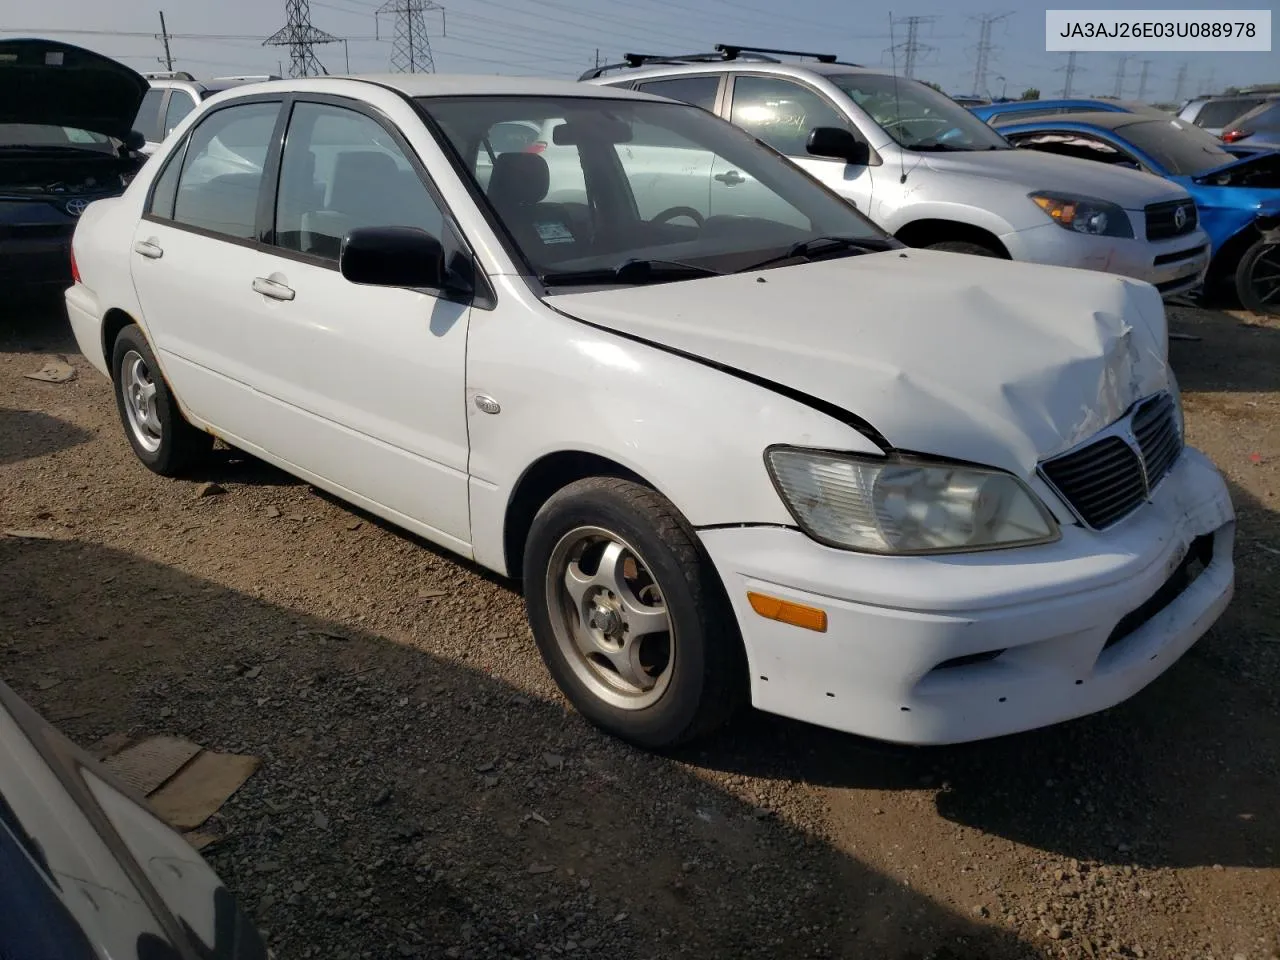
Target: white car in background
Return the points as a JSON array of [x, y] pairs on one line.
[[927, 170], [765, 453]]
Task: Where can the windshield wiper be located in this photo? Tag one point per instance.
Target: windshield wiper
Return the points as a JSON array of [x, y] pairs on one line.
[[816, 246], [933, 146], [632, 271]]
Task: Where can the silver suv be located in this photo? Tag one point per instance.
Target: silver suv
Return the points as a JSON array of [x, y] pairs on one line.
[[928, 171], [172, 96]]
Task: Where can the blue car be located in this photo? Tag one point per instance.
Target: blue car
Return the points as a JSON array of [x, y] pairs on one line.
[[1238, 199], [994, 113]]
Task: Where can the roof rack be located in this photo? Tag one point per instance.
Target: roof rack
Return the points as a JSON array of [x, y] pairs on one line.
[[248, 77], [722, 53], [167, 75]]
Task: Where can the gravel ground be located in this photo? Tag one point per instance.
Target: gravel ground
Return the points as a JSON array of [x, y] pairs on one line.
[[426, 792]]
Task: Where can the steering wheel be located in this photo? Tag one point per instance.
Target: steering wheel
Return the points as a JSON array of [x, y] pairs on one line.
[[672, 212]]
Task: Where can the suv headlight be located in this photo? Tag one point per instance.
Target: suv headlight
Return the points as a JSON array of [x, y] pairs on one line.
[[1089, 215], [906, 506]]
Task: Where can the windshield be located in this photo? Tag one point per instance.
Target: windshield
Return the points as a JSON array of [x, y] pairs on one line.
[[1180, 148], [585, 184], [35, 135], [916, 116]]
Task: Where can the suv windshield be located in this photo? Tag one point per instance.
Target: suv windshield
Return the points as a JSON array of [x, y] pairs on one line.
[[1180, 148], [39, 136], [597, 187], [916, 116]]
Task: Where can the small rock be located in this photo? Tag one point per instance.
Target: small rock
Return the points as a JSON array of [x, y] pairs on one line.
[[554, 760], [47, 683], [382, 796], [1056, 932], [354, 525], [211, 490], [489, 782], [432, 594], [267, 866], [1219, 867], [486, 767], [321, 820], [540, 868], [877, 812], [273, 513], [980, 911], [253, 673], [498, 635]]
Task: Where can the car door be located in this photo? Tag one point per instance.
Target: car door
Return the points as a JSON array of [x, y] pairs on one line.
[[782, 112], [362, 386], [197, 235]]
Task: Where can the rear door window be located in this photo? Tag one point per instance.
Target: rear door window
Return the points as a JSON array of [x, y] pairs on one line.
[[180, 104], [698, 90], [147, 122]]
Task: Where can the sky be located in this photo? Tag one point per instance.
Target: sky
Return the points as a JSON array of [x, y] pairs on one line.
[[563, 38]]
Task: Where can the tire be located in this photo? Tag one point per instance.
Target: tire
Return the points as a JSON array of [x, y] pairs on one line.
[[701, 679], [155, 428], [964, 246], [1258, 278]]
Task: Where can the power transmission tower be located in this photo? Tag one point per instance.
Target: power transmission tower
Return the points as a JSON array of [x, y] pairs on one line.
[[1120, 67], [912, 49], [1180, 83], [1142, 81], [167, 59], [985, 49], [411, 50], [1070, 73], [301, 38]]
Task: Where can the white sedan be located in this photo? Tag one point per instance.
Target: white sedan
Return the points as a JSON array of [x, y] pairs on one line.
[[761, 454]]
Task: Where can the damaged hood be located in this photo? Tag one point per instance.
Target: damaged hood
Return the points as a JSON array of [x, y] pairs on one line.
[[1261, 162], [1036, 171], [989, 361], [49, 83]]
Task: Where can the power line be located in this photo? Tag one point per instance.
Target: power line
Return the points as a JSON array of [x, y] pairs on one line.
[[301, 38], [911, 48], [411, 49], [985, 49], [1070, 73], [1142, 81], [1120, 67], [1180, 82]]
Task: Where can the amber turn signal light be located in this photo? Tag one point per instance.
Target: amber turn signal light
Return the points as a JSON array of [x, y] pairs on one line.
[[784, 611]]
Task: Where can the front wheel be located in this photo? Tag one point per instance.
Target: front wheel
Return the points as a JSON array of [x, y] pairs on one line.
[[1258, 278], [153, 423], [629, 614]]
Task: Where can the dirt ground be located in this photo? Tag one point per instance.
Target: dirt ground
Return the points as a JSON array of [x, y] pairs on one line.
[[426, 792]]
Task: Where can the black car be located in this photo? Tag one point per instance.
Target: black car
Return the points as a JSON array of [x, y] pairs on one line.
[[88, 872], [66, 139]]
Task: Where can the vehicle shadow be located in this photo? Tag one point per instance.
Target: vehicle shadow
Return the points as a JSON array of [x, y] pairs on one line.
[[1180, 775], [411, 806], [34, 324], [30, 433]]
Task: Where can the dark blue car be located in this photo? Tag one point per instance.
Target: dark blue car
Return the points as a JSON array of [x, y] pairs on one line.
[[1028, 109], [1238, 198]]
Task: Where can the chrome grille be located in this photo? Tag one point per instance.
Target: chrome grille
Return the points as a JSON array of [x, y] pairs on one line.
[[1162, 219], [1107, 478]]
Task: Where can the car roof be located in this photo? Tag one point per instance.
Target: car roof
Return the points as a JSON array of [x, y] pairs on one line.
[[784, 68], [460, 85], [1107, 119]]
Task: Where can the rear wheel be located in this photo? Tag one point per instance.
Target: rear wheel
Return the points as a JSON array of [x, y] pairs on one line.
[[629, 614], [964, 246], [160, 436], [1258, 278]]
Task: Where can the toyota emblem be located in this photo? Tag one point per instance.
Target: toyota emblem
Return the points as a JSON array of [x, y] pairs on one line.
[[1180, 217], [76, 207]]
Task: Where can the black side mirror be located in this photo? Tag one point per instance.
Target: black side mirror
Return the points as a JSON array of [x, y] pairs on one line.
[[135, 141], [393, 257], [838, 143]]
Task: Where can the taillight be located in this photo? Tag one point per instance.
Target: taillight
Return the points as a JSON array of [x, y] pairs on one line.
[[1231, 136], [75, 271], [536, 147]]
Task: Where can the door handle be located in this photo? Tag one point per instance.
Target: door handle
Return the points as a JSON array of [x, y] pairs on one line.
[[149, 249], [731, 178], [272, 288]]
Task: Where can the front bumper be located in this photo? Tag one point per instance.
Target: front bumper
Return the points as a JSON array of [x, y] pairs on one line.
[[892, 621], [1172, 266]]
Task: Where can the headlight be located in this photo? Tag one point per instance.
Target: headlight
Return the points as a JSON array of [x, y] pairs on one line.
[[906, 506], [1085, 214]]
